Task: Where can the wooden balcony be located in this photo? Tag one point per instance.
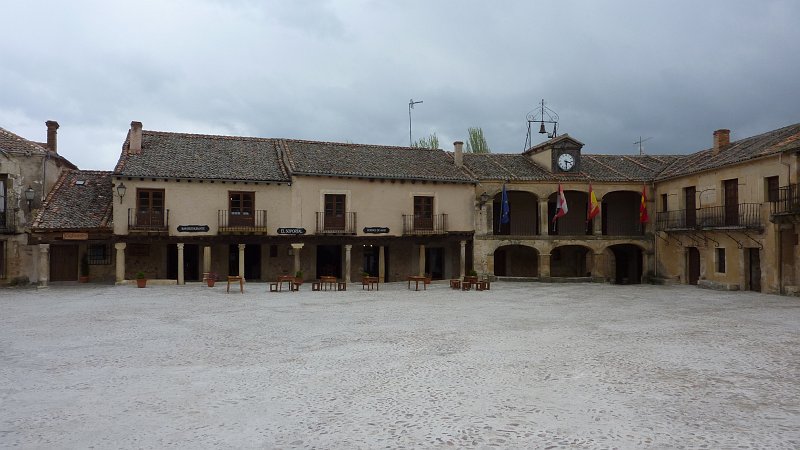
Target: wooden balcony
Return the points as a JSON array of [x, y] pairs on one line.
[[786, 207], [242, 223], [417, 225]]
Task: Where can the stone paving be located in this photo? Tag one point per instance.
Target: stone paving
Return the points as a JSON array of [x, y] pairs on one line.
[[525, 365]]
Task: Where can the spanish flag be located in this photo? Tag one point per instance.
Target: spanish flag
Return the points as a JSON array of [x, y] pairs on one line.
[[643, 217], [594, 206]]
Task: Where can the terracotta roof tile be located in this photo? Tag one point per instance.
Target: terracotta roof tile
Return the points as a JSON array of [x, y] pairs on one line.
[[80, 200]]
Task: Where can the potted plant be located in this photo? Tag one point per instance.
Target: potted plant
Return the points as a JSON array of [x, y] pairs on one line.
[[298, 277], [141, 281], [365, 274], [211, 278], [84, 277]]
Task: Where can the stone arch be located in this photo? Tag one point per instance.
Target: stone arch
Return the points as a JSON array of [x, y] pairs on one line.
[[516, 261], [625, 263], [574, 223], [620, 213], [523, 214], [571, 261]]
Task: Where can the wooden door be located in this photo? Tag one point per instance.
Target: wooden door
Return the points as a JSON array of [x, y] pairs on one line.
[[150, 207], [689, 195], [241, 211], [63, 263], [693, 265], [731, 202], [335, 205], [423, 213], [754, 272]]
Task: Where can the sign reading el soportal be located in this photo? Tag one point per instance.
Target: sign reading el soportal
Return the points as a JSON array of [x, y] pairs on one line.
[[376, 230], [291, 230], [193, 228]]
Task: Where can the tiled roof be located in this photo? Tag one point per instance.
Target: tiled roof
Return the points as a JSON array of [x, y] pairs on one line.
[[80, 200], [182, 155], [625, 167], [371, 161], [504, 166], [769, 143], [13, 143]]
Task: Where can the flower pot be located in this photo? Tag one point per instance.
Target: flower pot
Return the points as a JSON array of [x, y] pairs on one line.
[[210, 282], [141, 282], [83, 279]]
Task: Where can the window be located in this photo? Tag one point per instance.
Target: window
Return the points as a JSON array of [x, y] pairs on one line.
[[721, 260], [334, 211], [689, 197], [423, 212], [99, 254], [772, 187], [2, 259], [241, 208], [150, 207], [2, 202], [664, 202]]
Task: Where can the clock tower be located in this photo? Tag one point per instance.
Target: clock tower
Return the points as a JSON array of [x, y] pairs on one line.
[[561, 154]]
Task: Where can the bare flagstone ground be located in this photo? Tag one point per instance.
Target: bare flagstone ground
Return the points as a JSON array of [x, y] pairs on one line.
[[525, 365]]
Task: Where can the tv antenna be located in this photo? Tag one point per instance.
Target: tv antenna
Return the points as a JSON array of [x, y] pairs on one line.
[[639, 142], [411, 104], [542, 115]]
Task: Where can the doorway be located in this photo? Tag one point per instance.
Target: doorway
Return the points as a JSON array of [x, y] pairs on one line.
[[191, 262], [329, 260], [434, 262], [64, 263], [252, 261], [692, 265], [372, 261], [754, 269]]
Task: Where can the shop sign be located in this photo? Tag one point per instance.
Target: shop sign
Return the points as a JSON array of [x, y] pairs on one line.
[[376, 230], [291, 230], [193, 228], [76, 236]]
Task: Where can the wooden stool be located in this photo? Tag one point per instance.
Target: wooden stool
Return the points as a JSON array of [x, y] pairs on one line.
[[455, 284], [235, 279], [341, 286], [273, 287], [315, 285]]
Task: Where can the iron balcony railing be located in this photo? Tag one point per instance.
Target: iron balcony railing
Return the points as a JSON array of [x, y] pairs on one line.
[[148, 220], [8, 222], [418, 224], [341, 223], [743, 215], [245, 222], [788, 200]]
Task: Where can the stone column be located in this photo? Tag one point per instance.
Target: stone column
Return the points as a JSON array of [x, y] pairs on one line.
[[597, 224], [381, 265], [544, 221], [181, 276], [421, 259], [598, 265], [347, 250], [463, 262], [544, 265], [207, 259], [44, 264], [296, 250], [120, 247], [241, 260]]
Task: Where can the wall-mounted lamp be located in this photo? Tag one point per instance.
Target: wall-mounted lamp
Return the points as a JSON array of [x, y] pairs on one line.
[[29, 196], [484, 198], [290, 252], [121, 189]]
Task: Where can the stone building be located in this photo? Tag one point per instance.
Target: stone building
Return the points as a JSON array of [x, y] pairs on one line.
[[728, 215], [28, 170]]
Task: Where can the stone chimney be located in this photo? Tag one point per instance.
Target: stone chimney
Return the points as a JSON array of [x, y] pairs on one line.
[[52, 132], [135, 144], [722, 139], [458, 153]]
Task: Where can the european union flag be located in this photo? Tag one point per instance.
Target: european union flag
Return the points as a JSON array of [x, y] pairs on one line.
[[504, 219]]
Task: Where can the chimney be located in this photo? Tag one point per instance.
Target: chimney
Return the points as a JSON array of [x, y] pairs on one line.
[[135, 144], [458, 153], [52, 132], [722, 138]]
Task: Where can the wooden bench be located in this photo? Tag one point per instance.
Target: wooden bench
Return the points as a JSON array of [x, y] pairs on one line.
[[369, 283], [455, 284]]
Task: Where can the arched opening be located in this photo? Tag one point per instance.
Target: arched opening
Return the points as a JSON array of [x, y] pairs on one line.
[[620, 214], [627, 264], [574, 222], [523, 214], [516, 261], [570, 261]]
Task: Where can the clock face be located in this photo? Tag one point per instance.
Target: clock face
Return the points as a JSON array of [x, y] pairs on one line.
[[566, 162]]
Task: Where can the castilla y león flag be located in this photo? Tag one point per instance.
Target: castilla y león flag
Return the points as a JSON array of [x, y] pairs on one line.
[[561, 206]]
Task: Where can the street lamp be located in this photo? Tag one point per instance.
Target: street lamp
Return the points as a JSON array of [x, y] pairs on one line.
[[29, 193], [121, 189]]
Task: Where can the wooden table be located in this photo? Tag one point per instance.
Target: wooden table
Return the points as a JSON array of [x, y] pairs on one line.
[[328, 283], [416, 280], [369, 283], [235, 279], [288, 279]]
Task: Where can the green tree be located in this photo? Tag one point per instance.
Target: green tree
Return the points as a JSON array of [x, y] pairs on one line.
[[431, 141], [476, 143]]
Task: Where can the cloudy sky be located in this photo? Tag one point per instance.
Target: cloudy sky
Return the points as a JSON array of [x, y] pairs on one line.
[[345, 70]]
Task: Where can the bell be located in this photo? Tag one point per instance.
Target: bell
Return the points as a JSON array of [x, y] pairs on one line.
[[541, 129]]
